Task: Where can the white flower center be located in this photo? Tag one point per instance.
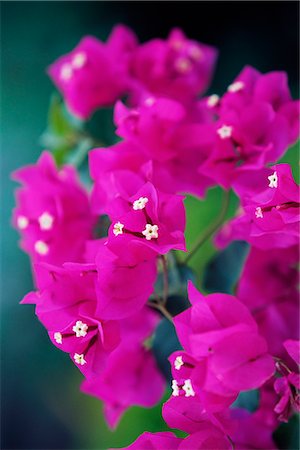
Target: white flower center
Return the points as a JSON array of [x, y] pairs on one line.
[[79, 359], [66, 72], [150, 232], [22, 222], [178, 362], [213, 100], [149, 101], [175, 388], [188, 389], [140, 203], [225, 132], [118, 228], [236, 86], [80, 329], [58, 338], [79, 60], [273, 179], [183, 65], [259, 213], [46, 221], [41, 247]]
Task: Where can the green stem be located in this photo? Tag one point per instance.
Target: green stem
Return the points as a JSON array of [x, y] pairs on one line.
[[162, 309], [212, 228]]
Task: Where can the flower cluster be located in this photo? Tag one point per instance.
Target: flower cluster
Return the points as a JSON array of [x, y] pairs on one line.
[[101, 300]]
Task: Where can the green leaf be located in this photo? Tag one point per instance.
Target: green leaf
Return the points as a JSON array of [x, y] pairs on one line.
[[64, 132], [223, 271], [165, 342], [247, 400]]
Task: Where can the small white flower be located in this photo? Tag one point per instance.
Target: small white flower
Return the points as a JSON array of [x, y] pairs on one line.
[[80, 329], [79, 359], [58, 338], [213, 100], [41, 247], [236, 86], [46, 221], [259, 213], [79, 60], [195, 52], [22, 222], [66, 72], [273, 180], [188, 389], [140, 203], [175, 388], [149, 101], [118, 228], [178, 362], [150, 232], [183, 65], [225, 132]]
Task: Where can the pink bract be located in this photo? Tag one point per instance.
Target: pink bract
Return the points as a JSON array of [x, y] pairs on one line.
[[268, 286], [94, 74], [271, 218], [66, 304], [177, 67], [219, 331], [53, 213]]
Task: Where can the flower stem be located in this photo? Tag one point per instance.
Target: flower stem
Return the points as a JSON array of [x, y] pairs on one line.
[[212, 228], [162, 309]]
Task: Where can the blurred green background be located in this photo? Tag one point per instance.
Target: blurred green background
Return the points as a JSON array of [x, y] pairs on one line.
[[42, 407]]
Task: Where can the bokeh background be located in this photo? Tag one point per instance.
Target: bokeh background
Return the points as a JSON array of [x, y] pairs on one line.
[[42, 407]]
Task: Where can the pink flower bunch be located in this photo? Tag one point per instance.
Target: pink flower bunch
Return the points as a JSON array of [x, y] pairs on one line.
[[223, 355], [53, 213], [256, 120], [95, 74], [96, 296], [270, 218]]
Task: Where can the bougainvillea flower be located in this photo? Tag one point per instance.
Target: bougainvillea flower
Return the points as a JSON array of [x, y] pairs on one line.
[[245, 141], [131, 376], [274, 304], [66, 304], [53, 213], [187, 409], [155, 441], [177, 67], [271, 218], [147, 224], [251, 432], [117, 171], [220, 331], [175, 138], [252, 86], [256, 122], [122, 288], [207, 438], [94, 74], [288, 386]]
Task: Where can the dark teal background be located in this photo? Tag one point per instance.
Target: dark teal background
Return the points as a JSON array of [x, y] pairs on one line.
[[42, 407]]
